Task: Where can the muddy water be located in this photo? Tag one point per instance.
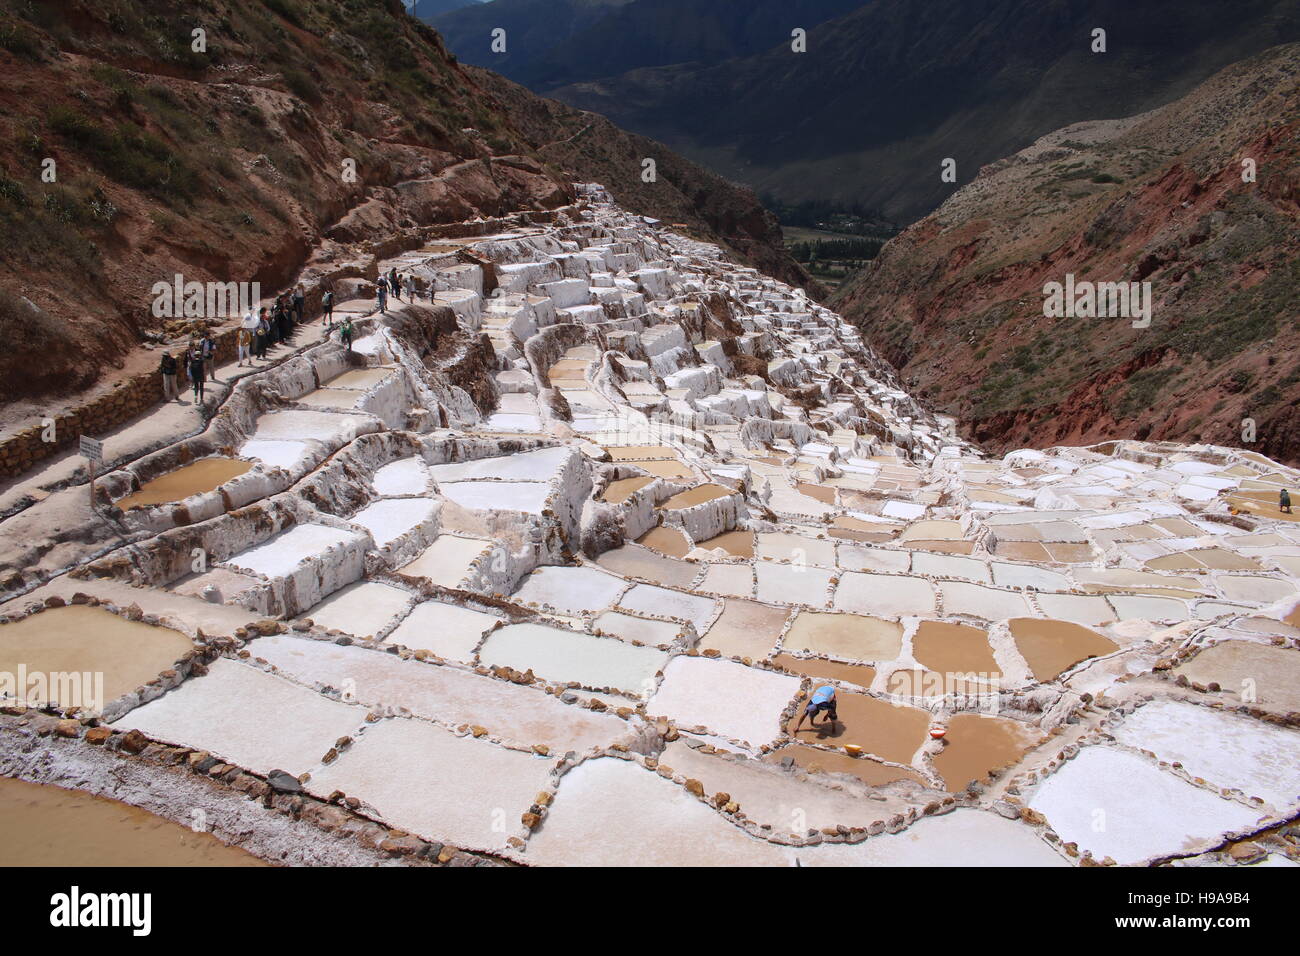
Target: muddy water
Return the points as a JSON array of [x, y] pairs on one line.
[[977, 744], [859, 674], [695, 496], [738, 543], [666, 540], [192, 479], [619, 491], [853, 529], [869, 771], [1050, 647], [42, 825], [818, 492], [878, 727], [77, 639], [954, 649]]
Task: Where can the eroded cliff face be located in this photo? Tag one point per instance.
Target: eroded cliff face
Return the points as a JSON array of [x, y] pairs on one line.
[[956, 302], [299, 133]]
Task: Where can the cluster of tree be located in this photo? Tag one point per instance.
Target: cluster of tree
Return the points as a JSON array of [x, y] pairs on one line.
[[837, 250]]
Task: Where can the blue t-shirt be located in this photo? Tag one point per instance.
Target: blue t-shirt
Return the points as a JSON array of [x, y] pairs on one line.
[[823, 694]]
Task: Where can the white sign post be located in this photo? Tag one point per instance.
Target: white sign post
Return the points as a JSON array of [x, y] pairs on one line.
[[92, 449]]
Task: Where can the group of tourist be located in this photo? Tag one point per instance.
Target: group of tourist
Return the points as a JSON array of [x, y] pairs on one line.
[[198, 364], [394, 284]]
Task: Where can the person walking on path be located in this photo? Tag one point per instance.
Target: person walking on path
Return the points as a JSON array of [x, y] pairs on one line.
[[168, 369], [196, 372], [209, 347], [410, 287], [261, 334], [345, 332], [1284, 501], [382, 294], [299, 303], [327, 309]]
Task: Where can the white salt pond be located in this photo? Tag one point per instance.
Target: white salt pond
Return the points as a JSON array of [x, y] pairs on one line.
[[526, 496], [389, 518], [571, 590], [282, 554], [792, 584], [447, 630], [229, 710], [460, 790], [650, 599], [523, 715], [364, 609], [1125, 807], [557, 655], [1260, 759], [743, 703], [407, 476], [447, 561], [276, 454], [884, 595], [540, 465]]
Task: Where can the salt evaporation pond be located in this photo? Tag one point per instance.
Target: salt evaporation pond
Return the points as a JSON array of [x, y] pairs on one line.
[[195, 478]]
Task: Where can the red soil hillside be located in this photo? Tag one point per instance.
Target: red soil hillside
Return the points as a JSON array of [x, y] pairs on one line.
[[956, 301], [227, 164]]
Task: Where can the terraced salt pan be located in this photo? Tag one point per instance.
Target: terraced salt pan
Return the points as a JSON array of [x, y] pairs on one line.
[[276, 454], [976, 744], [988, 604], [1270, 674], [281, 555], [1123, 806], [389, 518], [86, 640], [1238, 587], [366, 608], [745, 629], [229, 711], [1228, 751], [557, 655], [523, 715], [649, 599], [1077, 608], [448, 560], [331, 429], [408, 476], [1052, 647], [454, 789], [792, 584], [526, 496], [631, 628], [881, 728], [571, 591], [728, 580], [743, 703], [796, 549], [884, 595], [195, 478], [848, 636], [449, 631]]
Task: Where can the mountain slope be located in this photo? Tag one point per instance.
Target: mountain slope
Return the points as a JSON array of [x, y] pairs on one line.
[[888, 91], [956, 301], [228, 164]]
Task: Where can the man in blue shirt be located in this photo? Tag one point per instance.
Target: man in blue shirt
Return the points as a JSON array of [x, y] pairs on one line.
[[823, 699]]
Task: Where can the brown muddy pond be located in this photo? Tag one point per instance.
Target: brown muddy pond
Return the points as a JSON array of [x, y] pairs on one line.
[[859, 674], [619, 491], [78, 639], [737, 543], [1050, 647], [745, 628], [636, 561], [854, 529], [817, 492], [878, 727], [42, 825], [695, 496], [871, 772], [977, 744], [192, 479], [954, 649], [666, 540]]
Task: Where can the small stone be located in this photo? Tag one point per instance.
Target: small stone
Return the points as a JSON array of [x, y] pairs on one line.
[[283, 782], [97, 735]]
